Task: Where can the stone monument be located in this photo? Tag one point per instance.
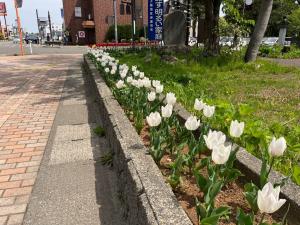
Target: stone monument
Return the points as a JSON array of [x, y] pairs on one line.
[[175, 28]]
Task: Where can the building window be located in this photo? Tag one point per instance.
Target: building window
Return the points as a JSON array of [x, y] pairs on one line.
[[122, 9], [78, 12], [128, 9]]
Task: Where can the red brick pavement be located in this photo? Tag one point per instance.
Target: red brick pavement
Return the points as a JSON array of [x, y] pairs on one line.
[[30, 90]]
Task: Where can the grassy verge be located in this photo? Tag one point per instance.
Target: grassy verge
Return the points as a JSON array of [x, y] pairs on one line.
[[263, 94]]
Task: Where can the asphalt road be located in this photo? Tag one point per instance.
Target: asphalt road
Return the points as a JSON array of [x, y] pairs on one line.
[[8, 48]]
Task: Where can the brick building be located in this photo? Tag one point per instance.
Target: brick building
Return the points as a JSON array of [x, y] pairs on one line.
[[88, 20]]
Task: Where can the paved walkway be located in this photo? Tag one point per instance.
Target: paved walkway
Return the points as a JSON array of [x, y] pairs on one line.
[[48, 173]]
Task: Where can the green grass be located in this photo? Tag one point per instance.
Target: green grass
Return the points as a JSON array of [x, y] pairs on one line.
[[266, 94]]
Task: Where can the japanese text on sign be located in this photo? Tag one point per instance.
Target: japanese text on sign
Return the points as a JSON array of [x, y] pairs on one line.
[[155, 19]]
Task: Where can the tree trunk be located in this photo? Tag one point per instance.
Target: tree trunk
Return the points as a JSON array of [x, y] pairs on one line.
[[259, 30], [212, 10]]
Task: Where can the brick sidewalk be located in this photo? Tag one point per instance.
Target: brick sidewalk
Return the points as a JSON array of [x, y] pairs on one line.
[[30, 91]]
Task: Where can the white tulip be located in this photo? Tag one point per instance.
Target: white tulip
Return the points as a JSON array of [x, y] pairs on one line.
[[214, 139], [192, 123], [277, 146], [166, 111], [123, 74], [199, 105], [120, 84], [208, 111], [112, 72], [220, 154], [129, 80], [170, 98], [136, 73], [146, 82], [236, 128], [103, 64], [268, 199], [140, 83], [106, 70], [142, 75], [134, 83], [154, 119], [151, 96], [159, 89], [155, 83]]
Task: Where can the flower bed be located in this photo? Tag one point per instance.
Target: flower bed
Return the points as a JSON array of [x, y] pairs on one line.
[[205, 160]]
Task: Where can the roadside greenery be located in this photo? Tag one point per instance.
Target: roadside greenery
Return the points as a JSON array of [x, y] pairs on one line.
[[262, 94], [211, 150], [278, 51]]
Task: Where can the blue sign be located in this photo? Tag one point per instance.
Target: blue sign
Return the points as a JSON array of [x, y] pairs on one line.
[[155, 19]]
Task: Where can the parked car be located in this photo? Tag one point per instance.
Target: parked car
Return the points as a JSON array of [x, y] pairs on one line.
[[33, 38], [270, 41], [16, 39]]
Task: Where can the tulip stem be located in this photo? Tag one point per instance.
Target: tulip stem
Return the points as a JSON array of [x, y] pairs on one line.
[[262, 218], [271, 165]]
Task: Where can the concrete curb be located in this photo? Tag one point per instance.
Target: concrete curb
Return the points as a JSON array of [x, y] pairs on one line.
[[125, 135], [145, 196]]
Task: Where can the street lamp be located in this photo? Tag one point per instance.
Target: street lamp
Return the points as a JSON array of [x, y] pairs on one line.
[[133, 18]]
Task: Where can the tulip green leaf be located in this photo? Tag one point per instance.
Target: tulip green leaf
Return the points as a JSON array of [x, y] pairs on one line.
[[244, 219], [296, 173], [251, 191], [201, 181]]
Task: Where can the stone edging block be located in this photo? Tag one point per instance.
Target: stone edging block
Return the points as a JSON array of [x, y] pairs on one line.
[[144, 194]]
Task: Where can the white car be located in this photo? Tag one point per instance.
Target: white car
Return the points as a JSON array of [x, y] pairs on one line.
[[270, 41]]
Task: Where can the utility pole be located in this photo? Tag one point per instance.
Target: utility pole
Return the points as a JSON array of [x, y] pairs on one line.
[[50, 26], [133, 21], [188, 22], [19, 27], [115, 21], [5, 25], [38, 23]]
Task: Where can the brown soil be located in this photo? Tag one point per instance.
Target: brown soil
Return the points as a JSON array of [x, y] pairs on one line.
[[231, 195]]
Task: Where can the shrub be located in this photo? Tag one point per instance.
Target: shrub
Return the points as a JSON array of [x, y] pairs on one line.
[[1, 36], [124, 32]]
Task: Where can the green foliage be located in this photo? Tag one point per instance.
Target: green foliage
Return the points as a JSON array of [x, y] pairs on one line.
[[107, 159], [1, 36], [281, 8], [99, 131], [278, 51], [294, 22], [262, 94], [124, 32]]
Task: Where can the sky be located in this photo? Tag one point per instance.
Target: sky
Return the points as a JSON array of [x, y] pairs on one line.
[[27, 12]]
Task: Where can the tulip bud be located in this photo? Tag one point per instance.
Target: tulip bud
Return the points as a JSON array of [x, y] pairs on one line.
[[133, 68], [236, 128], [199, 105], [208, 111], [214, 138], [154, 119], [192, 123], [220, 154], [170, 98], [277, 146], [151, 96], [268, 199], [166, 111]]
